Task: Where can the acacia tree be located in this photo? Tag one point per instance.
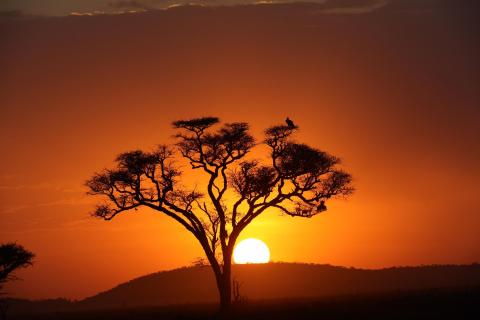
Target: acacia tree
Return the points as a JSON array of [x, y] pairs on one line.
[[296, 179], [13, 257]]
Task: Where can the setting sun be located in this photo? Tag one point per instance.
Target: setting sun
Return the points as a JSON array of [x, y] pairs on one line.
[[251, 251]]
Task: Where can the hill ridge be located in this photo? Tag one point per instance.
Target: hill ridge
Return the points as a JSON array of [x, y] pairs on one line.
[[196, 284]]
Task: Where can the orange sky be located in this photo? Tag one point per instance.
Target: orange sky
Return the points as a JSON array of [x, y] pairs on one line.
[[394, 93]]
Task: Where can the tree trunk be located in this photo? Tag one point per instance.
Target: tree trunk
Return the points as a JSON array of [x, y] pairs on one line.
[[224, 284], [225, 290]]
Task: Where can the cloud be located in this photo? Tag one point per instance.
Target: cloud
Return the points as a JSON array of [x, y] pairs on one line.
[[98, 12], [129, 4], [14, 10], [352, 7], [41, 186], [23, 9], [63, 213], [11, 13], [118, 7], [75, 201], [43, 194]]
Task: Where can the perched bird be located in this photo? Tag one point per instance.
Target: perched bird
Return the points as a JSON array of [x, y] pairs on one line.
[[290, 123], [321, 207]]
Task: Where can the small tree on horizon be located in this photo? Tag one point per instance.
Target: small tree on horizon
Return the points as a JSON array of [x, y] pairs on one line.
[[12, 257], [296, 179]]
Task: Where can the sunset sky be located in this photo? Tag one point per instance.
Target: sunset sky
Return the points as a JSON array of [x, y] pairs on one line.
[[391, 87]]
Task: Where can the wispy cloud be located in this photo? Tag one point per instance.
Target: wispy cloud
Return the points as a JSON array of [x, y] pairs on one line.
[[108, 7], [40, 186], [129, 4], [13, 199], [353, 7], [75, 201], [96, 13]]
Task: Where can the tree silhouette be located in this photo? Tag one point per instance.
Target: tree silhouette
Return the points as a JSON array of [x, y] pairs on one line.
[[296, 179], [12, 258]]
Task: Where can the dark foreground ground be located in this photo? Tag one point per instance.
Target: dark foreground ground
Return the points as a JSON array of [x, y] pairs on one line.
[[431, 304]]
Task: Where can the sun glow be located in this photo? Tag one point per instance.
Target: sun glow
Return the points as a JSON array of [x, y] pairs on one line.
[[251, 251]]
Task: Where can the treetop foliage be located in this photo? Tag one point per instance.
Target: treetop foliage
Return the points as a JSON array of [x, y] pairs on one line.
[[295, 179], [12, 257]]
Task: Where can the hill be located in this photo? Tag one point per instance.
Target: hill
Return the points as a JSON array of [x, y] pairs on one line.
[[318, 288], [267, 282], [280, 280]]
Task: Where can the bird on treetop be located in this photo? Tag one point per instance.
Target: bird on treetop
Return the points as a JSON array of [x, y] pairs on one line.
[[290, 123], [321, 207]]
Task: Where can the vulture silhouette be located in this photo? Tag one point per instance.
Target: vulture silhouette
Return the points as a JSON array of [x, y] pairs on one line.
[[290, 123], [321, 207]]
